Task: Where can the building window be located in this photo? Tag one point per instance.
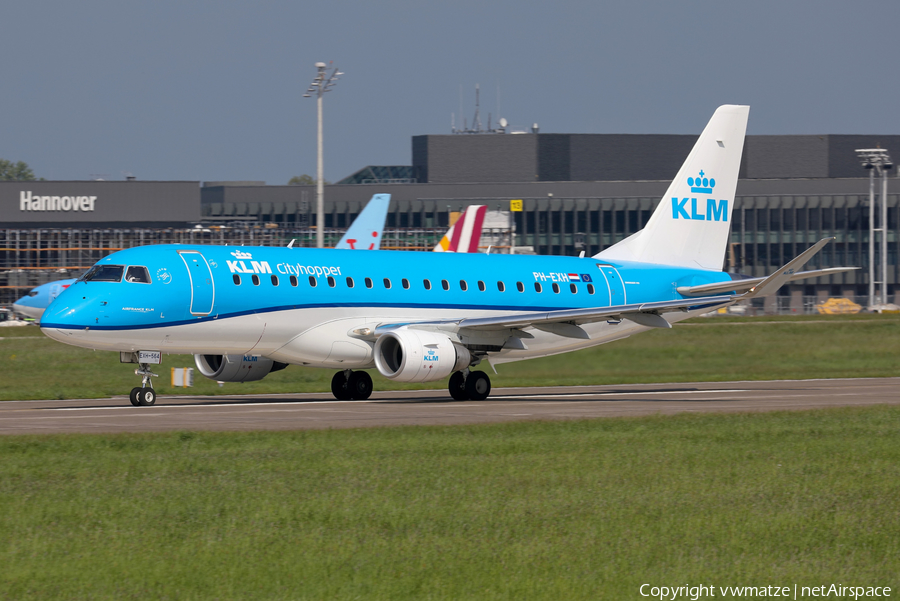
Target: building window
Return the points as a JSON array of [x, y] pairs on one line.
[[312, 281], [427, 284], [274, 280], [501, 287], [237, 279]]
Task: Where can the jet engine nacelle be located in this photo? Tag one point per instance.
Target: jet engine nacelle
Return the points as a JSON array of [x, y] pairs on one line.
[[419, 356], [236, 368]]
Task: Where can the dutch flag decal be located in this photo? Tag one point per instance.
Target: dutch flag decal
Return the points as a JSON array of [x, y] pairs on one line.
[[574, 277]]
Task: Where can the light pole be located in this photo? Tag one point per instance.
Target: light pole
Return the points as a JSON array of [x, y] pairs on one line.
[[877, 160], [319, 86]]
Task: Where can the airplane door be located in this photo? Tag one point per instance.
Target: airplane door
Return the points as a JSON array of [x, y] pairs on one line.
[[614, 283], [202, 288]]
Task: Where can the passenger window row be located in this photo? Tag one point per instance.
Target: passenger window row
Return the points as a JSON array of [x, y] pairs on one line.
[[426, 283]]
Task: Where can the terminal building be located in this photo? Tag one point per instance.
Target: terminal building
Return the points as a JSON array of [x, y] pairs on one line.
[[580, 192]]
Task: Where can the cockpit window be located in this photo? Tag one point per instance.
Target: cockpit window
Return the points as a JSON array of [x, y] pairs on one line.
[[137, 273], [33, 293], [103, 273]]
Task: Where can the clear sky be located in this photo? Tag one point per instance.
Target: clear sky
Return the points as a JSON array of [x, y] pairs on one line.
[[212, 90]]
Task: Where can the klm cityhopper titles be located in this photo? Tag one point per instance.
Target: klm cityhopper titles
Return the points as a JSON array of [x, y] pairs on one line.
[[416, 317]]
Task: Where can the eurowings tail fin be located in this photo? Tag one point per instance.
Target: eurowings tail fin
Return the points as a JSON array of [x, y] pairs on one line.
[[366, 230], [464, 235], [690, 226]]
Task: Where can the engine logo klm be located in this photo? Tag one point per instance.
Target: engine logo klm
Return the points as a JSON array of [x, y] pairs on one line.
[[431, 355], [715, 210]]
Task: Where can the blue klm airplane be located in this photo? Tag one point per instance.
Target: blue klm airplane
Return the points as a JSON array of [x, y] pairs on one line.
[[417, 317], [39, 298], [365, 233]]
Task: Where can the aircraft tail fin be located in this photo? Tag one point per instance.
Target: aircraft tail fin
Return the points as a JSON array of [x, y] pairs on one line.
[[366, 230], [464, 235], [690, 226]]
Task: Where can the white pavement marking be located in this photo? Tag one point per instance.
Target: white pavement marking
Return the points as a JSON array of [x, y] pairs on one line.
[[614, 393]]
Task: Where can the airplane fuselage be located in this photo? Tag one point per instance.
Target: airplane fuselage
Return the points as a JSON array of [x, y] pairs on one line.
[[312, 307]]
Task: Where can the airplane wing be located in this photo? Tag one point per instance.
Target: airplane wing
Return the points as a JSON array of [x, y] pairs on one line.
[[647, 314], [566, 322], [747, 284], [366, 230]]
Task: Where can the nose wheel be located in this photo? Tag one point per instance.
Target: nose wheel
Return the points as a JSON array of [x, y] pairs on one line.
[[144, 395], [349, 384], [474, 386]]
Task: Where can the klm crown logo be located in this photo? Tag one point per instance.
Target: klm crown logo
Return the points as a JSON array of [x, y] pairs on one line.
[[702, 185], [715, 210]]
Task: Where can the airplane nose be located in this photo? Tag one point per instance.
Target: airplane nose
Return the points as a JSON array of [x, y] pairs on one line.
[[64, 320]]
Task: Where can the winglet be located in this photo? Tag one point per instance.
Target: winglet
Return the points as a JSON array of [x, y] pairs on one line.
[[771, 284]]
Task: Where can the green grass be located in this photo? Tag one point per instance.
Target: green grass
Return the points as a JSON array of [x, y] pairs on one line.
[[715, 349], [556, 510]]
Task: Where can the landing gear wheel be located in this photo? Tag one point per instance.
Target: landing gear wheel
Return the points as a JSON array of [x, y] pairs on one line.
[[457, 387], [359, 385], [478, 385], [146, 397], [339, 387]]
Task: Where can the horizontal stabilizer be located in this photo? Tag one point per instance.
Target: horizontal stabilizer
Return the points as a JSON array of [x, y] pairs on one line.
[[747, 284]]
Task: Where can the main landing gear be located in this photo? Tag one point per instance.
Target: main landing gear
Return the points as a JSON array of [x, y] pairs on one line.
[[144, 395], [349, 384], [468, 385]]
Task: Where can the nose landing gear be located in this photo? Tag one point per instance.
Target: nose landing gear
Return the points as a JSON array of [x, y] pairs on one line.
[[468, 385], [349, 384], [144, 395]]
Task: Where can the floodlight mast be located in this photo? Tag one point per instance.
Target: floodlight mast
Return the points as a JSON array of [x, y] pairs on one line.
[[877, 160], [319, 86]]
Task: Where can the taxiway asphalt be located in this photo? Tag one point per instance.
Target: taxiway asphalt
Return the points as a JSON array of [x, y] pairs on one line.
[[434, 407]]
